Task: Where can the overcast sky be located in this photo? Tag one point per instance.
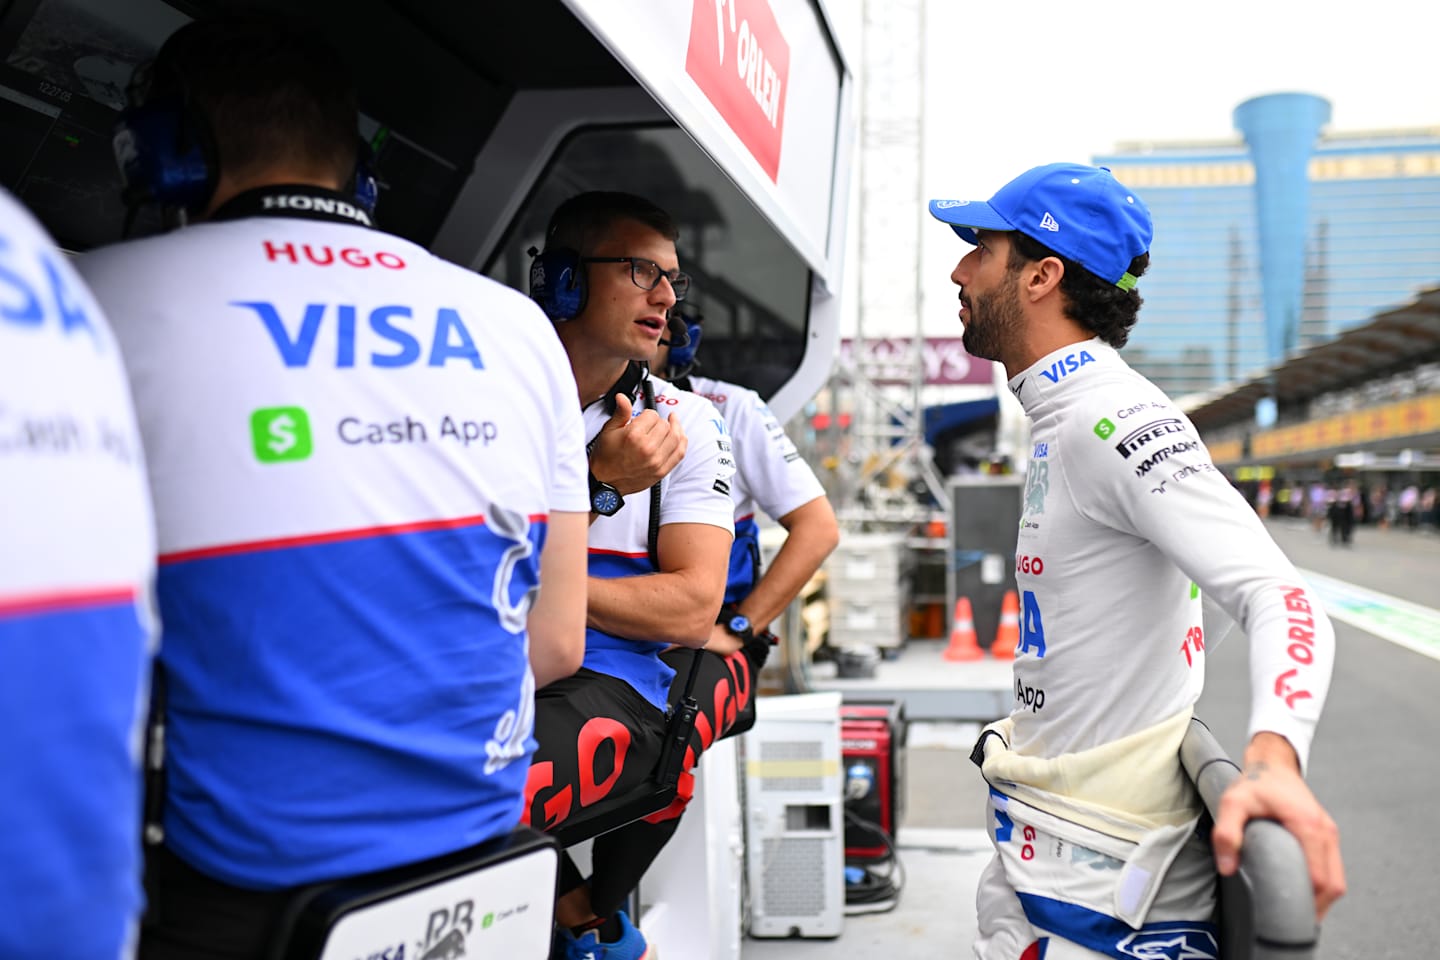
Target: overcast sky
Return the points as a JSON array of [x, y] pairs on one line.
[[1015, 83]]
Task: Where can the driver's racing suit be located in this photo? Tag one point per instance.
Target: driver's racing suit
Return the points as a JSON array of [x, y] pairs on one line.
[[1125, 522]]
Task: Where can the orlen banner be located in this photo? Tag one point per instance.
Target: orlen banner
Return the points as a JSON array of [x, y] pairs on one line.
[[761, 87], [944, 358], [740, 60]]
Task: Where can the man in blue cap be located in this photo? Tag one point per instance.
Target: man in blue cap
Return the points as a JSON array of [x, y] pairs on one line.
[[1092, 815]]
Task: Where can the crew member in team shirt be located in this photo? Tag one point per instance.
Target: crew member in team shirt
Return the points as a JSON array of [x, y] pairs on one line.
[[771, 476], [77, 561], [659, 546], [365, 460]]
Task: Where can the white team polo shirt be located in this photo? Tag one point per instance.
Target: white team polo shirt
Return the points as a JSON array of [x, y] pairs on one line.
[[355, 447], [769, 473], [77, 560], [696, 491]]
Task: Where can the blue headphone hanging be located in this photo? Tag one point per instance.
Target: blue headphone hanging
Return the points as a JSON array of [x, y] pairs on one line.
[[557, 282]]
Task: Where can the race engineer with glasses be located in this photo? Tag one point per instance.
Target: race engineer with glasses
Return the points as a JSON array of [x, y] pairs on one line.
[[366, 461], [609, 277], [77, 563], [1125, 521]]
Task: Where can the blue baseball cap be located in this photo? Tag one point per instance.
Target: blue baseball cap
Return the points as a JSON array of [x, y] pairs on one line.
[[1082, 213]]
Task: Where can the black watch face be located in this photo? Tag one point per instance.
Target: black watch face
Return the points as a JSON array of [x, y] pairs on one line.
[[739, 623], [605, 502]]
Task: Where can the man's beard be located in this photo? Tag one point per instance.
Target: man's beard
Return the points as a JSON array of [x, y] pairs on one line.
[[994, 322]]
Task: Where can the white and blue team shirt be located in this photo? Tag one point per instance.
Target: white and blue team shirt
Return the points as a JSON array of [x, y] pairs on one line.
[[354, 449], [77, 559], [769, 474], [1125, 521], [696, 491]]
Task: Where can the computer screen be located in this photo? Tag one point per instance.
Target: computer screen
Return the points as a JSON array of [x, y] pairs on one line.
[[64, 68]]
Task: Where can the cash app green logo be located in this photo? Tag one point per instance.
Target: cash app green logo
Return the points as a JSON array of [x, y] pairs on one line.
[[280, 434], [1104, 429]]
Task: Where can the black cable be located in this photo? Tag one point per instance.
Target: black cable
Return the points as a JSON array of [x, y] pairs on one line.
[[876, 888]]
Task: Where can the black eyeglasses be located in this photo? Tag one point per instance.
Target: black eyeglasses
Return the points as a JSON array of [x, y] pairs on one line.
[[646, 274]]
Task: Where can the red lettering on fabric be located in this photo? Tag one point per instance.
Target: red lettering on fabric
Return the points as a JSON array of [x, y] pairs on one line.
[[596, 732], [325, 256], [739, 666], [741, 62], [1302, 632], [724, 706], [288, 250], [557, 808], [705, 732], [1284, 691]]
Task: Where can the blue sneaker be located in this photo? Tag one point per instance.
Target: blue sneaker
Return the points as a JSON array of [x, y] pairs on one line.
[[589, 946]]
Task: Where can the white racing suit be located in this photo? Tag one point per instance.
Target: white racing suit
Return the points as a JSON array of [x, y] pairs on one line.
[[1125, 521], [1082, 878]]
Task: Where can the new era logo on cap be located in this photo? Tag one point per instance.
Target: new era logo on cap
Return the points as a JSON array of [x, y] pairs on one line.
[[1105, 225]]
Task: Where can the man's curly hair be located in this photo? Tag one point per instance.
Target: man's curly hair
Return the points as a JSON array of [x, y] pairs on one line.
[[1096, 304]]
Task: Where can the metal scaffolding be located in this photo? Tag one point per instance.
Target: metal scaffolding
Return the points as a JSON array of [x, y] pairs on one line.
[[889, 463]]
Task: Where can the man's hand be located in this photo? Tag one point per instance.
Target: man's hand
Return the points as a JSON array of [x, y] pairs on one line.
[[1271, 787], [633, 453], [722, 642]]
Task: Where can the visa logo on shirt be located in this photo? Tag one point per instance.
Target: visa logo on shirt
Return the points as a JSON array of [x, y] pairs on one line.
[[395, 338], [1062, 368], [24, 306]]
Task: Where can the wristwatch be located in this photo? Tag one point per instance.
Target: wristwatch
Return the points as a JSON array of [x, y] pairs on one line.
[[604, 499], [736, 623]]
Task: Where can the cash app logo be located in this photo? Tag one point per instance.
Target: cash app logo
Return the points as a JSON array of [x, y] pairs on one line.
[[280, 434]]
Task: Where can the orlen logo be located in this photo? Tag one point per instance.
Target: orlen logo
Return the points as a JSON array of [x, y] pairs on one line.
[[1301, 618], [1034, 566], [740, 60], [1153, 430]]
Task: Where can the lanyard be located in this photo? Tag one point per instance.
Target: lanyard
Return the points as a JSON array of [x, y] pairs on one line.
[[300, 201]]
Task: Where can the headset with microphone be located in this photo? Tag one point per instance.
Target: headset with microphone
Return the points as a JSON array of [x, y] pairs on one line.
[[557, 284], [166, 150], [684, 329]]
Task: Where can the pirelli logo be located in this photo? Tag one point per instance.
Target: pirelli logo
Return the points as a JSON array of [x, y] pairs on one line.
[[1138, 438]]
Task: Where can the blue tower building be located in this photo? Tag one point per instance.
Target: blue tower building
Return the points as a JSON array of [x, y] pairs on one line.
[[1278, 238], [1281, 130]]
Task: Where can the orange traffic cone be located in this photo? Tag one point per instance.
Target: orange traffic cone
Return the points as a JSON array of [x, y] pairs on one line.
[[1007, 638], [963, 645]]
